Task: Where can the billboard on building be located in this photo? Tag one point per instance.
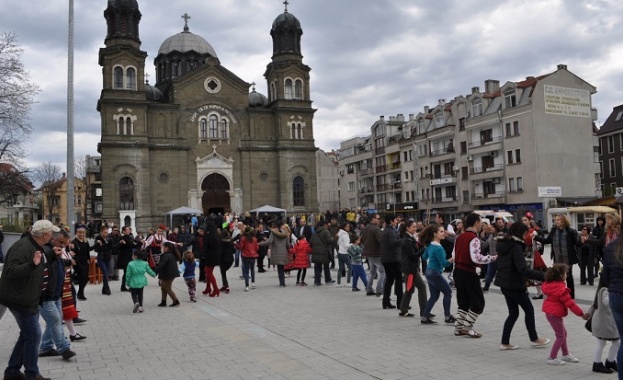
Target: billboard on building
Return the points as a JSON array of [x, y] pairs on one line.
[[567, 101]]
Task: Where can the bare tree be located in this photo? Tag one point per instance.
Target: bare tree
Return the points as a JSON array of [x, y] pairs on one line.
[[83, 185], [49, 176], [16, 99]]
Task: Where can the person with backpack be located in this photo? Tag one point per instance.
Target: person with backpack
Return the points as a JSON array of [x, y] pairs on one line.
[[411, 251]]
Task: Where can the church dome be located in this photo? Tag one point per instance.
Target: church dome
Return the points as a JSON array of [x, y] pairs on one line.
[[132, 4], [185, 42], [257, 100], [286, 21], [153, 93]]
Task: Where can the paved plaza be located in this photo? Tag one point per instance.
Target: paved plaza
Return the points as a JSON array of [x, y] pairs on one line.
[[298, 333]]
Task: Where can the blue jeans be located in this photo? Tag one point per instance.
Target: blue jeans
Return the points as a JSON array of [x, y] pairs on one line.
[[359, 273], [53, 335], [26, 350], [437, 284], [616, 306], [492, 268], [104, 268], [248, 264], [343, 264]]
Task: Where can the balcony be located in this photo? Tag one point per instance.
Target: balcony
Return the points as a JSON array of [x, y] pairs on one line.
[[497, 194], [442, 180], [444, 199], [435, 153], [477, 170], [476, 144], [381, 169], [367, 171], [379, 151]]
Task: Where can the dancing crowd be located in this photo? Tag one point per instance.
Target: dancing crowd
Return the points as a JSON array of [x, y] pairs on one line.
[[402, 256]]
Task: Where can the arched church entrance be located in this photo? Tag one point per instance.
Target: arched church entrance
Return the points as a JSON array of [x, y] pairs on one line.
[[215, 196]]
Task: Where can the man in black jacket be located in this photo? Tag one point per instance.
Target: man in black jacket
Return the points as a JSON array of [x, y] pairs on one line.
[[390, 258], [24, 276]]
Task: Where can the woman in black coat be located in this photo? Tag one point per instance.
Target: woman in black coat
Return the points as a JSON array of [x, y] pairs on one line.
[[212, 257], [511, 278], [167, 272], [227, 258], [410, 267]]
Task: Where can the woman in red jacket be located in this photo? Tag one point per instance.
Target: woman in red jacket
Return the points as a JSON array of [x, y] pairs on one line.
[[301, 251], [555, 307], [248, 247]]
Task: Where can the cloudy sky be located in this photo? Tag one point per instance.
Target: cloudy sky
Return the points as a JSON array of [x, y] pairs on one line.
[[368, 57]]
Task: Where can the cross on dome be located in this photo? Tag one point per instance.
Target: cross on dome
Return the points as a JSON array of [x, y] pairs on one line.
[[186, 17], [286, 4], [253, 85]]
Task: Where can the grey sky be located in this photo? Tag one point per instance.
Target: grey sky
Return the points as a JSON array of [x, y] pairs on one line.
[[368, 57]]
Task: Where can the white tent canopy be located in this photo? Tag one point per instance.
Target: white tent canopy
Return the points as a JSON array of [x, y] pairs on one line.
[[181, 211], [267, 208]]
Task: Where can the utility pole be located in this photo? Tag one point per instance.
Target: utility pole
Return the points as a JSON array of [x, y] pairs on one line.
[[71, 215]]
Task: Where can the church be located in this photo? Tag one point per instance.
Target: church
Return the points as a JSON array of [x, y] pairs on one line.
[[199, 135]]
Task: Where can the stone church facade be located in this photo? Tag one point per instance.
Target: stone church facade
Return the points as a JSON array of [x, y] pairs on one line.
[[198, 137]]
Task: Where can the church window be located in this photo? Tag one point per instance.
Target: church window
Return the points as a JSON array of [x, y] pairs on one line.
[[120, 126], [223, 129], [288, 89], [131, 79], [298, 191], [129, 126], [213, 127], [118, 78], [174, 70], [273, 95], [203, 129], [298, 89], [126, 194]]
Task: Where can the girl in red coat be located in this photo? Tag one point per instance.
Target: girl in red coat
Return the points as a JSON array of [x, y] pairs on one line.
[[301, 251], [555, 307], [248, 247]]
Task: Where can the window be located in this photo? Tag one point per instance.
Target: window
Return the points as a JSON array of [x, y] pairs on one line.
[[298, 89], [439, 120], [379, 131], [463, 147], [510, 99], [130, 79], [610, 144], [213, 127], [612, 169], [486, 135], [410, 154], [351, 186], [203, 129], [601, 169], [462, 124], [224, 129], [298, 192], [350, 168], [118, 78], [519, 183], [406, 156], [508, 129], [451, 192], [272, 92], [126, 193], [509, 157], [518, 156], [121, 126], [619, 116], [476, 107], [487, 162], [511, 184], [447, 168], [288, 89], [515, 128], [129, 126], [411, 173], [464, 172]]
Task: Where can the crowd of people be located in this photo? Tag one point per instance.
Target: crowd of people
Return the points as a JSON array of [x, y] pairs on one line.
[[402, 256]]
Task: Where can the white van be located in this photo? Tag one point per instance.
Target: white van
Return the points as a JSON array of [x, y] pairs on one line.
[[506, 216]]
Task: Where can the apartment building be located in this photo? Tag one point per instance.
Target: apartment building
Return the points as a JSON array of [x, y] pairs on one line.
[[610, 152], [500, 148]]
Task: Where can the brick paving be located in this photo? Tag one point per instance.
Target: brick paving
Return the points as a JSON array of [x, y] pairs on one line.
[[298, 333]]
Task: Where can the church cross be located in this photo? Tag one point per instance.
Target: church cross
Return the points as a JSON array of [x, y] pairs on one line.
[[186, 17], [253, 84], [147, 77], [286, 4]]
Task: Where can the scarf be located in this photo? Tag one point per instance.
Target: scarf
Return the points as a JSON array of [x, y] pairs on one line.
[[559, 244]]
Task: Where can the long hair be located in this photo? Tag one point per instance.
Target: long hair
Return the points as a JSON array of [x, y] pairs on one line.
[[211, 235], [616, 226], [564, 220], [172, 248], [516, 231], [428, 233]]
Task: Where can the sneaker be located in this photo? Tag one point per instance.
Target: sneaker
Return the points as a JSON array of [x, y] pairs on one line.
[[450, 319], [428, 321], [68, 354], [193, 299], [50, 352], [140, 309], [507, 347], [253, 285], [136, 306], [246, 288], [356, 290], [570, 358], [555, 361], [601, 368]]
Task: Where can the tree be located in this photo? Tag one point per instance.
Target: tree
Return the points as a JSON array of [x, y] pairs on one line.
[[49, 176], [83, 182], [16, 99]]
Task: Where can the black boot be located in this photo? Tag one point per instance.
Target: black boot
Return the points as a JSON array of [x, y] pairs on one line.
[[600, 368], [612, 365], [388, 305]]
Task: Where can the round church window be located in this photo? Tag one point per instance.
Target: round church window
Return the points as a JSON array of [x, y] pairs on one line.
[[163, 178], [263, 177], [212, 85]]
